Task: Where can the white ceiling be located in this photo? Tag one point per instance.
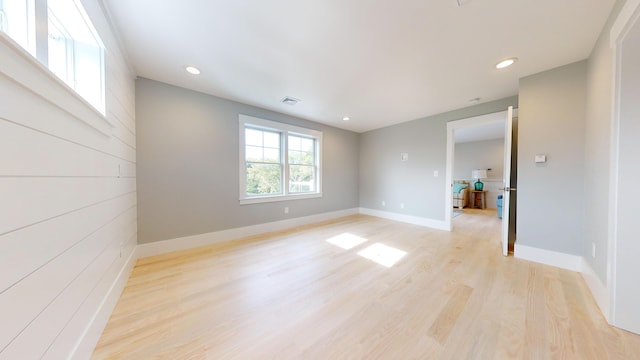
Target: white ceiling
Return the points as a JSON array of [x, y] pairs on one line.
[[380, 62]]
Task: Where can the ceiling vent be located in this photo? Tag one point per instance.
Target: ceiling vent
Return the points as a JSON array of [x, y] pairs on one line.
[[290, 100]]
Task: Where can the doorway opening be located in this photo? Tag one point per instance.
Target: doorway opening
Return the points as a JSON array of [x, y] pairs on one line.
[[478, 151]]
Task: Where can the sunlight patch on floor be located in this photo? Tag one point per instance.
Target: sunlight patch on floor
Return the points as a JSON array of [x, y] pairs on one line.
[[382, 254], [346, 241]]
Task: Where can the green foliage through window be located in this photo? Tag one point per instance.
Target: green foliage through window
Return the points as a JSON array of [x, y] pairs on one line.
[[277, 161]]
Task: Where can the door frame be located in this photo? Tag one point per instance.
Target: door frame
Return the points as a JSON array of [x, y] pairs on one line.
[[451, 127], [628, 17]]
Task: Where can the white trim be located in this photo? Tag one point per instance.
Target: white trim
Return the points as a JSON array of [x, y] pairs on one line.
[[88, 340], [117, 36], [415, 220], [623, 21], [448, 183], [265, 199], [598, 289], [612, 220], [21, 67], [548, 257], [576, 263], [451, 127], [284, 130], [91, 336], [189, 242]]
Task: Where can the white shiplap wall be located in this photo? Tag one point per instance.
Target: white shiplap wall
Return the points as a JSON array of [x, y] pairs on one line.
[[68, 227]]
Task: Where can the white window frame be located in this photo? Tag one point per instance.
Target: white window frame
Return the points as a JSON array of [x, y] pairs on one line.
[[285, 130], [38, 48]]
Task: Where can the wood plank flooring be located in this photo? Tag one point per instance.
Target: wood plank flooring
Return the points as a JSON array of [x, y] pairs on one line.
[[294, 295]]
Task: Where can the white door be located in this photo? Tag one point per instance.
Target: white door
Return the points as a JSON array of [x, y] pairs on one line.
[[626, 251], [506, 196]]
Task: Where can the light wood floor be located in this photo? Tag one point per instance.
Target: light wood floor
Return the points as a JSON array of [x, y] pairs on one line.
[[293, 295]]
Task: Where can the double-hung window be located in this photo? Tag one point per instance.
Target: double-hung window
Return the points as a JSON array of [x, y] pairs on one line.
[[278, 161]]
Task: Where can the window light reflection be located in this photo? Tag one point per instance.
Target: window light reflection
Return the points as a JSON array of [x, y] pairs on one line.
[[382, 254], [346, 241]]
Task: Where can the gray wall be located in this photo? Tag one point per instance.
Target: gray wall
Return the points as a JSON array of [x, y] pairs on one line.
[[187, 148], [597, 149], [488, 154], [383, 177], [551, 195]]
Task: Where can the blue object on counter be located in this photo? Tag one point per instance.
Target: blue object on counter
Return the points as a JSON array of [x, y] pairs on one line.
[[499, 203]]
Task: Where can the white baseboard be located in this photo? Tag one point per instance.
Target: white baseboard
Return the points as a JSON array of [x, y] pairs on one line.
[[561, 260], [189, 242], [415, 220], [548, 257], [574, 263], [87, 343], [599, 291]]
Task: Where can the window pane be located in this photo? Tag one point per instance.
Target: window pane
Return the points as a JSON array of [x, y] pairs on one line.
[[253, 153], [307, 145], [17, 21], [272, 155], [60, 56], [294, 157], [74, 19], [279, 160], [294, 143], [88, 72], [301, 150], [263, 179], [272, 140], [75, 51], [253, 137], [301, 157], [301, 179]]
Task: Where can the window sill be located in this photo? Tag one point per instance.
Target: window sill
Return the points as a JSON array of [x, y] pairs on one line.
[[20, 66], [266, 199]]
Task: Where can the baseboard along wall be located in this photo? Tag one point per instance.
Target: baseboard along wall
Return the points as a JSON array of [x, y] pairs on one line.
[[547, 257]]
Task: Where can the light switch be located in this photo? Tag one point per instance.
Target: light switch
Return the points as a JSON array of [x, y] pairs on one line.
[[435, 173], [541, 158], [404, 156]]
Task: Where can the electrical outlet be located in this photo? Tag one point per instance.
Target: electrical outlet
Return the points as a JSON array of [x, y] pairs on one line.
[[384, 203], [436, 173], [401, 205], [593, 250], [286, 209]]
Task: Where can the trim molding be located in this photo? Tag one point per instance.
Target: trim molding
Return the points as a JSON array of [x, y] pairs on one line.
[[623, 21], [415, 220], [599, 291], [25, 70], [548, 257], [91, 336], [87, 343], [190, 242]]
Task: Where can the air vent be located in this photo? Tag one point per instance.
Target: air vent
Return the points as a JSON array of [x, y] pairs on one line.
[[290, 100]]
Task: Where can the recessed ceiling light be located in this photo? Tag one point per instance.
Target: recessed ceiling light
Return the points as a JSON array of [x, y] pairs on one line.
[[346, 118], [506, 62], [192, 70]]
